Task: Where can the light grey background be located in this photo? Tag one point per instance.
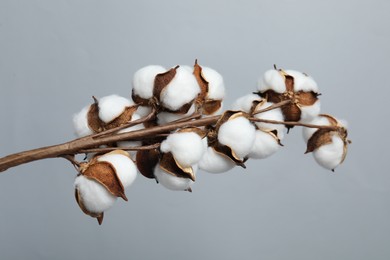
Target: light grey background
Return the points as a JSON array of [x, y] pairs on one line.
[[54, 55]]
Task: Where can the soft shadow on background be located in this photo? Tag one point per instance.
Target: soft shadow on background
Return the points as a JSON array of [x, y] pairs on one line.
[[54, 55]]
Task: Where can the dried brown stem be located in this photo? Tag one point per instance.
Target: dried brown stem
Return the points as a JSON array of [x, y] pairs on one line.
[[109, 149], [273, 106], [293, 123], [91, 143]]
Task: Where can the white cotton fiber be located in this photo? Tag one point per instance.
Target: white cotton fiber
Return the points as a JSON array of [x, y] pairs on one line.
[[214, 162], [216, 84], [143, 80], [110, 107], [124, 167], [272, 80], [245, 103], [187, 147], [264, 146], [182, 89], [80, 122], [144, 110], [307, 132], [172, 182], [330, 155], [302, 82], [167, 117], [95, 197], [310, 112], [274, 114], [238, 134]]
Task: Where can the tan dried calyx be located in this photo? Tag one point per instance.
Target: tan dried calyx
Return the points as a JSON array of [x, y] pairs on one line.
[[97, 125], [205, 104], [324, 136], [291, 111]]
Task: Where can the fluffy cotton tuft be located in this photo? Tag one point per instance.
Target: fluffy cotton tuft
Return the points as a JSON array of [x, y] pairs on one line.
[[274, 114], [143, 80], [310, 112], [245, 103], [238, 134], [124, 167], [302, 82], [330, 155], [187, 147], [110, 107], [167, 117], [216, 84], [80, 122], [182, 89], [264, 146], [214, 162], [272, 80], [172, 182], [95, 197]]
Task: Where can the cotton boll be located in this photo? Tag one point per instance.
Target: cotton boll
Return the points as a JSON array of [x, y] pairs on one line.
[[181, 90], [272, 80], [110, 107], [172, 182], [245, 103], [124, 167], [80, 122], [167, 117], [143, 80], [302, 82], [330, 155], [216, 85], [310, 112], [214, 162], [186, 147], [274, 114], [238, 134], [95, 197], [264, 146], [307, 132]]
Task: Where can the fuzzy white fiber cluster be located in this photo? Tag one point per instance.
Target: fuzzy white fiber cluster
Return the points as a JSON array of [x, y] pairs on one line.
[[303, 82], [96, 198], [310, 112], [143, 80], [245, 103], [272, 80], [186, 147], [238, 134], [264, 146], [172, 182], [125, 168], [80, 122], [110, 107], [214, 162], [216, 85], [182, 89], [330, 155], [274, 114]]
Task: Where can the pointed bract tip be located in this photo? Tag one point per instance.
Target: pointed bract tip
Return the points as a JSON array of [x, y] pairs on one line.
[[100, 218]]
